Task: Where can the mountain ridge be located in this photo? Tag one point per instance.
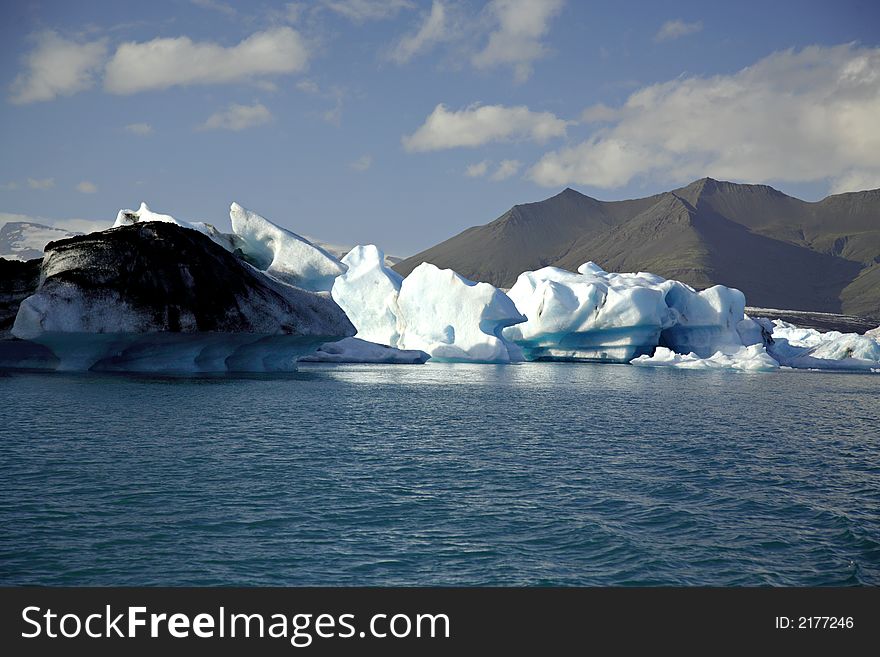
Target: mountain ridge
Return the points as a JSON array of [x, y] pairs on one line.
[[780, 250]]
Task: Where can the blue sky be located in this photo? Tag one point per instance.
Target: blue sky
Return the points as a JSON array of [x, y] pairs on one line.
[[403, 122]]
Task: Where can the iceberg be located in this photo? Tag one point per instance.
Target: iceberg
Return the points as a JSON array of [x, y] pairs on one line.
[[807, 348], [432, 310], [595, 315], [705, 322], [591, 316], [144, 214], [282, 253], [454, 319], [157, 297], [355, 350], [752, 358], [368, 292]]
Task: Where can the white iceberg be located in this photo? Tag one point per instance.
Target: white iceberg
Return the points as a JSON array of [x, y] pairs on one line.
[[601, 316], [753, 358], [354, 350], [279, 252], [282, 253], [454, 319], [704, 322], [431, 310], [807, 348], [143, 214], [367, 292]]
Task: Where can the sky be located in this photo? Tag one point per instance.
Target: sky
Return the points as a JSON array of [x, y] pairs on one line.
[[402, 122]]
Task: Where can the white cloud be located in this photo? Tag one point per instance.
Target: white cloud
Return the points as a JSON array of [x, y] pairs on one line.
[[505, 170], [71, 225], [167, 62], [293, 11], [477, 169], [10, 186], [238, 117], [795, 116], [432, 30], [57, 67], [598, 113], [266, 85], [675, 29], [367, 10], [480, 124], [856, 181], [516, 39], [41, 183], [87, 187], [140, 129], [363, 163], [333, 115], [308, 86], [215, 5]]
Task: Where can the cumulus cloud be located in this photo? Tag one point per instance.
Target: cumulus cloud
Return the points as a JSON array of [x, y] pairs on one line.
[[477, 169], [363, 163], [675, 29], [795, 116], [87, 187], [168, 62], [367, 10], [480, 124], [516, 39], [41, 183], [238, 117], [140, 129], [431, 31], [57, 67], [505, 170]]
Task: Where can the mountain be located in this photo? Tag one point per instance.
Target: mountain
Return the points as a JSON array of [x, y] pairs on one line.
[[25, 240], [780, 251]]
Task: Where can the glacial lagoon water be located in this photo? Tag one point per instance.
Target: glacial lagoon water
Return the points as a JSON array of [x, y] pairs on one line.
[[530, 474]]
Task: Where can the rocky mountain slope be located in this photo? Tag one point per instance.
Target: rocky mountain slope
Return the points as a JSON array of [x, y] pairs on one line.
[[779, 250]]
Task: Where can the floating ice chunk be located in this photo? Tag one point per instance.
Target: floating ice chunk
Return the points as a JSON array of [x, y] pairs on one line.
[[754, 331], [454, 319], [156, 297], [354, 350], [753, 358], [811, 349], [591, 315], [434, 311], [143, 214], [283, 254], [705, 321], [367, 292]]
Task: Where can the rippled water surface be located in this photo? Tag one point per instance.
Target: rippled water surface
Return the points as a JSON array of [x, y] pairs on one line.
[[536, 473]]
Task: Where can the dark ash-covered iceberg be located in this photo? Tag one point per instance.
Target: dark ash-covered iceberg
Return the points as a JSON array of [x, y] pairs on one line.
[[160, 297]]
